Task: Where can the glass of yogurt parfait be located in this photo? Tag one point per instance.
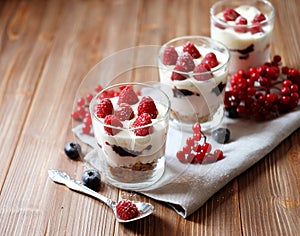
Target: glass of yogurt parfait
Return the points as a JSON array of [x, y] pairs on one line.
[[195, 68], [130, 123], [245, 27]]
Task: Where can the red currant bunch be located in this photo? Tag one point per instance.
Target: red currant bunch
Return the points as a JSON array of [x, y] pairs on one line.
[[197, 150], [82, 114], [263, 92]]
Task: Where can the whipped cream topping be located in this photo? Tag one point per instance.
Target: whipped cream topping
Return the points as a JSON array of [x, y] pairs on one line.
[[144, 149], [241, 40], [204, 102]]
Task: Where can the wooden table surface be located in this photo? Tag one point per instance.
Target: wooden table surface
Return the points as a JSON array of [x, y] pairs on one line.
[[46, 48]]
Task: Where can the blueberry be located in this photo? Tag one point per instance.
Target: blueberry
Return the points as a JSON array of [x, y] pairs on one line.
[[91, 179], [221, 135], [73, 150]]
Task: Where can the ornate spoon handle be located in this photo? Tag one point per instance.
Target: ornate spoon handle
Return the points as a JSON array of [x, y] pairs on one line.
[[63, 178]]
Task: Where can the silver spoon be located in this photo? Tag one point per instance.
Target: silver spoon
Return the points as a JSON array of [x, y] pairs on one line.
[[61, 177]]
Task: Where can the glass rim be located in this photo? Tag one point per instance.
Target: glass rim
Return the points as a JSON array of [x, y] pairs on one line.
[[204, 38], [225, 24], [145, 84]]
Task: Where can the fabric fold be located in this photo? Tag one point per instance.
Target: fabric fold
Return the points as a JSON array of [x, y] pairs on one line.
[[186, 187]]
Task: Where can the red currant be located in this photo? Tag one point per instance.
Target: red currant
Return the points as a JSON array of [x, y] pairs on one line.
[[263, 92], [196, 128]]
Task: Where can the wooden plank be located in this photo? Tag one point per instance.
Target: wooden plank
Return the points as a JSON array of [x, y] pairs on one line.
[[19, 71], [47, 127], [46, 49], [279, 213]]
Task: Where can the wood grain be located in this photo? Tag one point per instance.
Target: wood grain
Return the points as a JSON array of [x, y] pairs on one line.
[[46, 49]]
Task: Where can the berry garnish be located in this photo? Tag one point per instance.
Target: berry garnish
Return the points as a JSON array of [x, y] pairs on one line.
[[126, 209], [112, 120], [190, 48], [263, 92], [196, 127], [177, 76], [185, 63], [147, 105], [127, 95], [204, 72], [73, 150], [197, 149], [241, 23], [218, 154], [104, 108], [170, 56], [258, 18], [142, 120], [124, 112], [256, 29], [98, 88], [91, 179], [230, 14], [221, 135], [211, 60]]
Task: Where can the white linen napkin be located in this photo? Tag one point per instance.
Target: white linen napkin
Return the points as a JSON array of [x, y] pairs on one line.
[[186, 187]]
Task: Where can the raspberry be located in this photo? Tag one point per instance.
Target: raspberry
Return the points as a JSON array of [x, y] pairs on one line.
[[258, 18], [126, 210], [185, 62], [124, 112], [256, 29], [104, 108], [142, 120], [230, 14], [204, 69], [210, 59], [190, 48], [177, 76], [241, 23], [127, 95], [241, 20], [147, 105], [113, 121], [170, 56]]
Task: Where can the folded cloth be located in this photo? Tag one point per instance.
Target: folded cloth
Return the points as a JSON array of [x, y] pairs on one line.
[[186, 187]]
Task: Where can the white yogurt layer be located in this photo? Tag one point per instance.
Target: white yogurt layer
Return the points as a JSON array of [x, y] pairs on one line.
[[127, 139], [205, 102], [261, 41]]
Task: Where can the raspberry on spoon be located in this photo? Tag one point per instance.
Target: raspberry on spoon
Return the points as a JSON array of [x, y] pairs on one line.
[[126, 209]]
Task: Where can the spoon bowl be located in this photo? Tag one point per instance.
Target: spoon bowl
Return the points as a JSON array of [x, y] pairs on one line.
[[145, 209]]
